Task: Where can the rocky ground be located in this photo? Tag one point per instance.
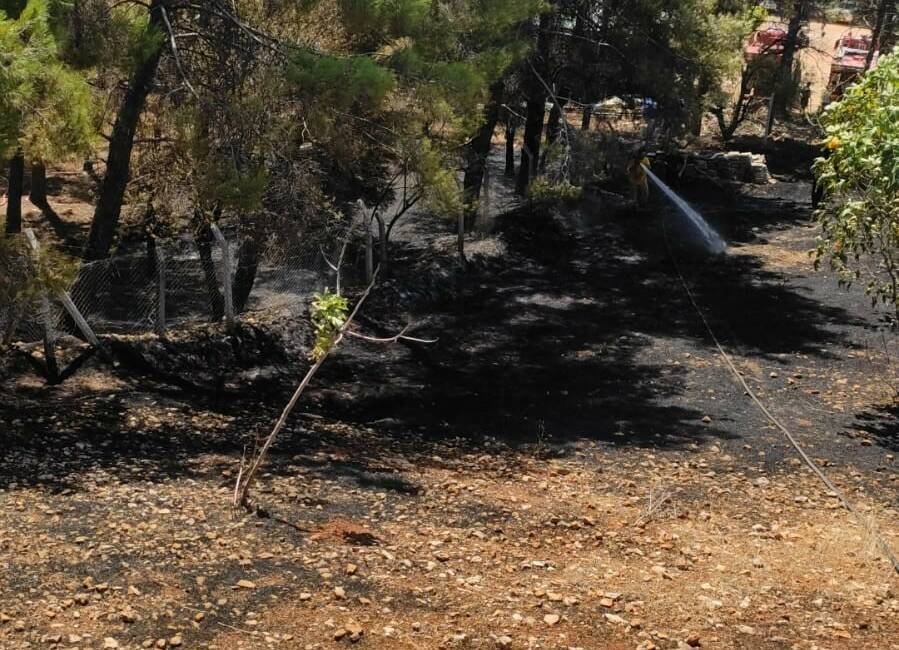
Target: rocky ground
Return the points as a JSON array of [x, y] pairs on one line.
[[571, 466]]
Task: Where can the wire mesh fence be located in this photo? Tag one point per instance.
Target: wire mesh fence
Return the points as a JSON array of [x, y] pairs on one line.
[[180, 281]]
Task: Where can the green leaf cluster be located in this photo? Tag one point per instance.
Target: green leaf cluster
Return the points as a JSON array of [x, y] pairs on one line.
[[329, 313]]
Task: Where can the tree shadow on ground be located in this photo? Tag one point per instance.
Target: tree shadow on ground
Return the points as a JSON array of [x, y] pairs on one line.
[[578, 333], [881, 424], [567, 337]]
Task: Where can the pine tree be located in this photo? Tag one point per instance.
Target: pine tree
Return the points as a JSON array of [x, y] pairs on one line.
[[45, 106]]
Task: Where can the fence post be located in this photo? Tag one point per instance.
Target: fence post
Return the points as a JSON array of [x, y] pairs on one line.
[[226, 273], [64, 297], [46, 317], [160, 291], [49, 340]]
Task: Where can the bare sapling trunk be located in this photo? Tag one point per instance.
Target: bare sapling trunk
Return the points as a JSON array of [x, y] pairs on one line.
[[248, 471]]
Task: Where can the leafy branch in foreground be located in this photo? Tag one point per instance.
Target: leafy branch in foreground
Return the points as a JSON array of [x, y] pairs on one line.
[[860, 178], [331, 324]]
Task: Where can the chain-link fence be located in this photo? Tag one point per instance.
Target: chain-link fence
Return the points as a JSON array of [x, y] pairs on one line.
[[181, 281]]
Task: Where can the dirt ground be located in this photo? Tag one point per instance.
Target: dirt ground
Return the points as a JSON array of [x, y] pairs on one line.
[[571, 466]]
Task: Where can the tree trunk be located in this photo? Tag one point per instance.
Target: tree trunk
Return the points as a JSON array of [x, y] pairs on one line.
[[477, 153], [14, 198], [510, 148], [536, 105], [118, 160], [50, 360], [530, 148], [778, 107], [879, 22], [587, 117], [203, 238], [553, 127], [248, 258], [38, 193]]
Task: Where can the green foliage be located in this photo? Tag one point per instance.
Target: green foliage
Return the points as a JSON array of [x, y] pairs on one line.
[[329, 313], [45, 107], [332, 82], [240, 191], [860, 178], [438, 180], [385, 18], [544, 189], [405, 91], [218, 180], [23, 278]]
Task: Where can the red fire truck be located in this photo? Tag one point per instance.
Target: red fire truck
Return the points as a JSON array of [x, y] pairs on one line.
[[850, 54]]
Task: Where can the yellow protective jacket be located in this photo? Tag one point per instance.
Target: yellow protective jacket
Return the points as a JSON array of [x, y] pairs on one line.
[[635, 171]]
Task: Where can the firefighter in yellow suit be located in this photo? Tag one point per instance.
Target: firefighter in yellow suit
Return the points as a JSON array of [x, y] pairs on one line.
[[636, 174]]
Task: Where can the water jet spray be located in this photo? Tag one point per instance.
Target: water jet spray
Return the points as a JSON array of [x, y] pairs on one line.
[[711, 240]]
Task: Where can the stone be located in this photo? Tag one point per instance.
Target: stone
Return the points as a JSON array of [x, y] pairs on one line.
[[354, 630], [339, 593], [246, 584], [551, 619], [110, 644], [176, 641]]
